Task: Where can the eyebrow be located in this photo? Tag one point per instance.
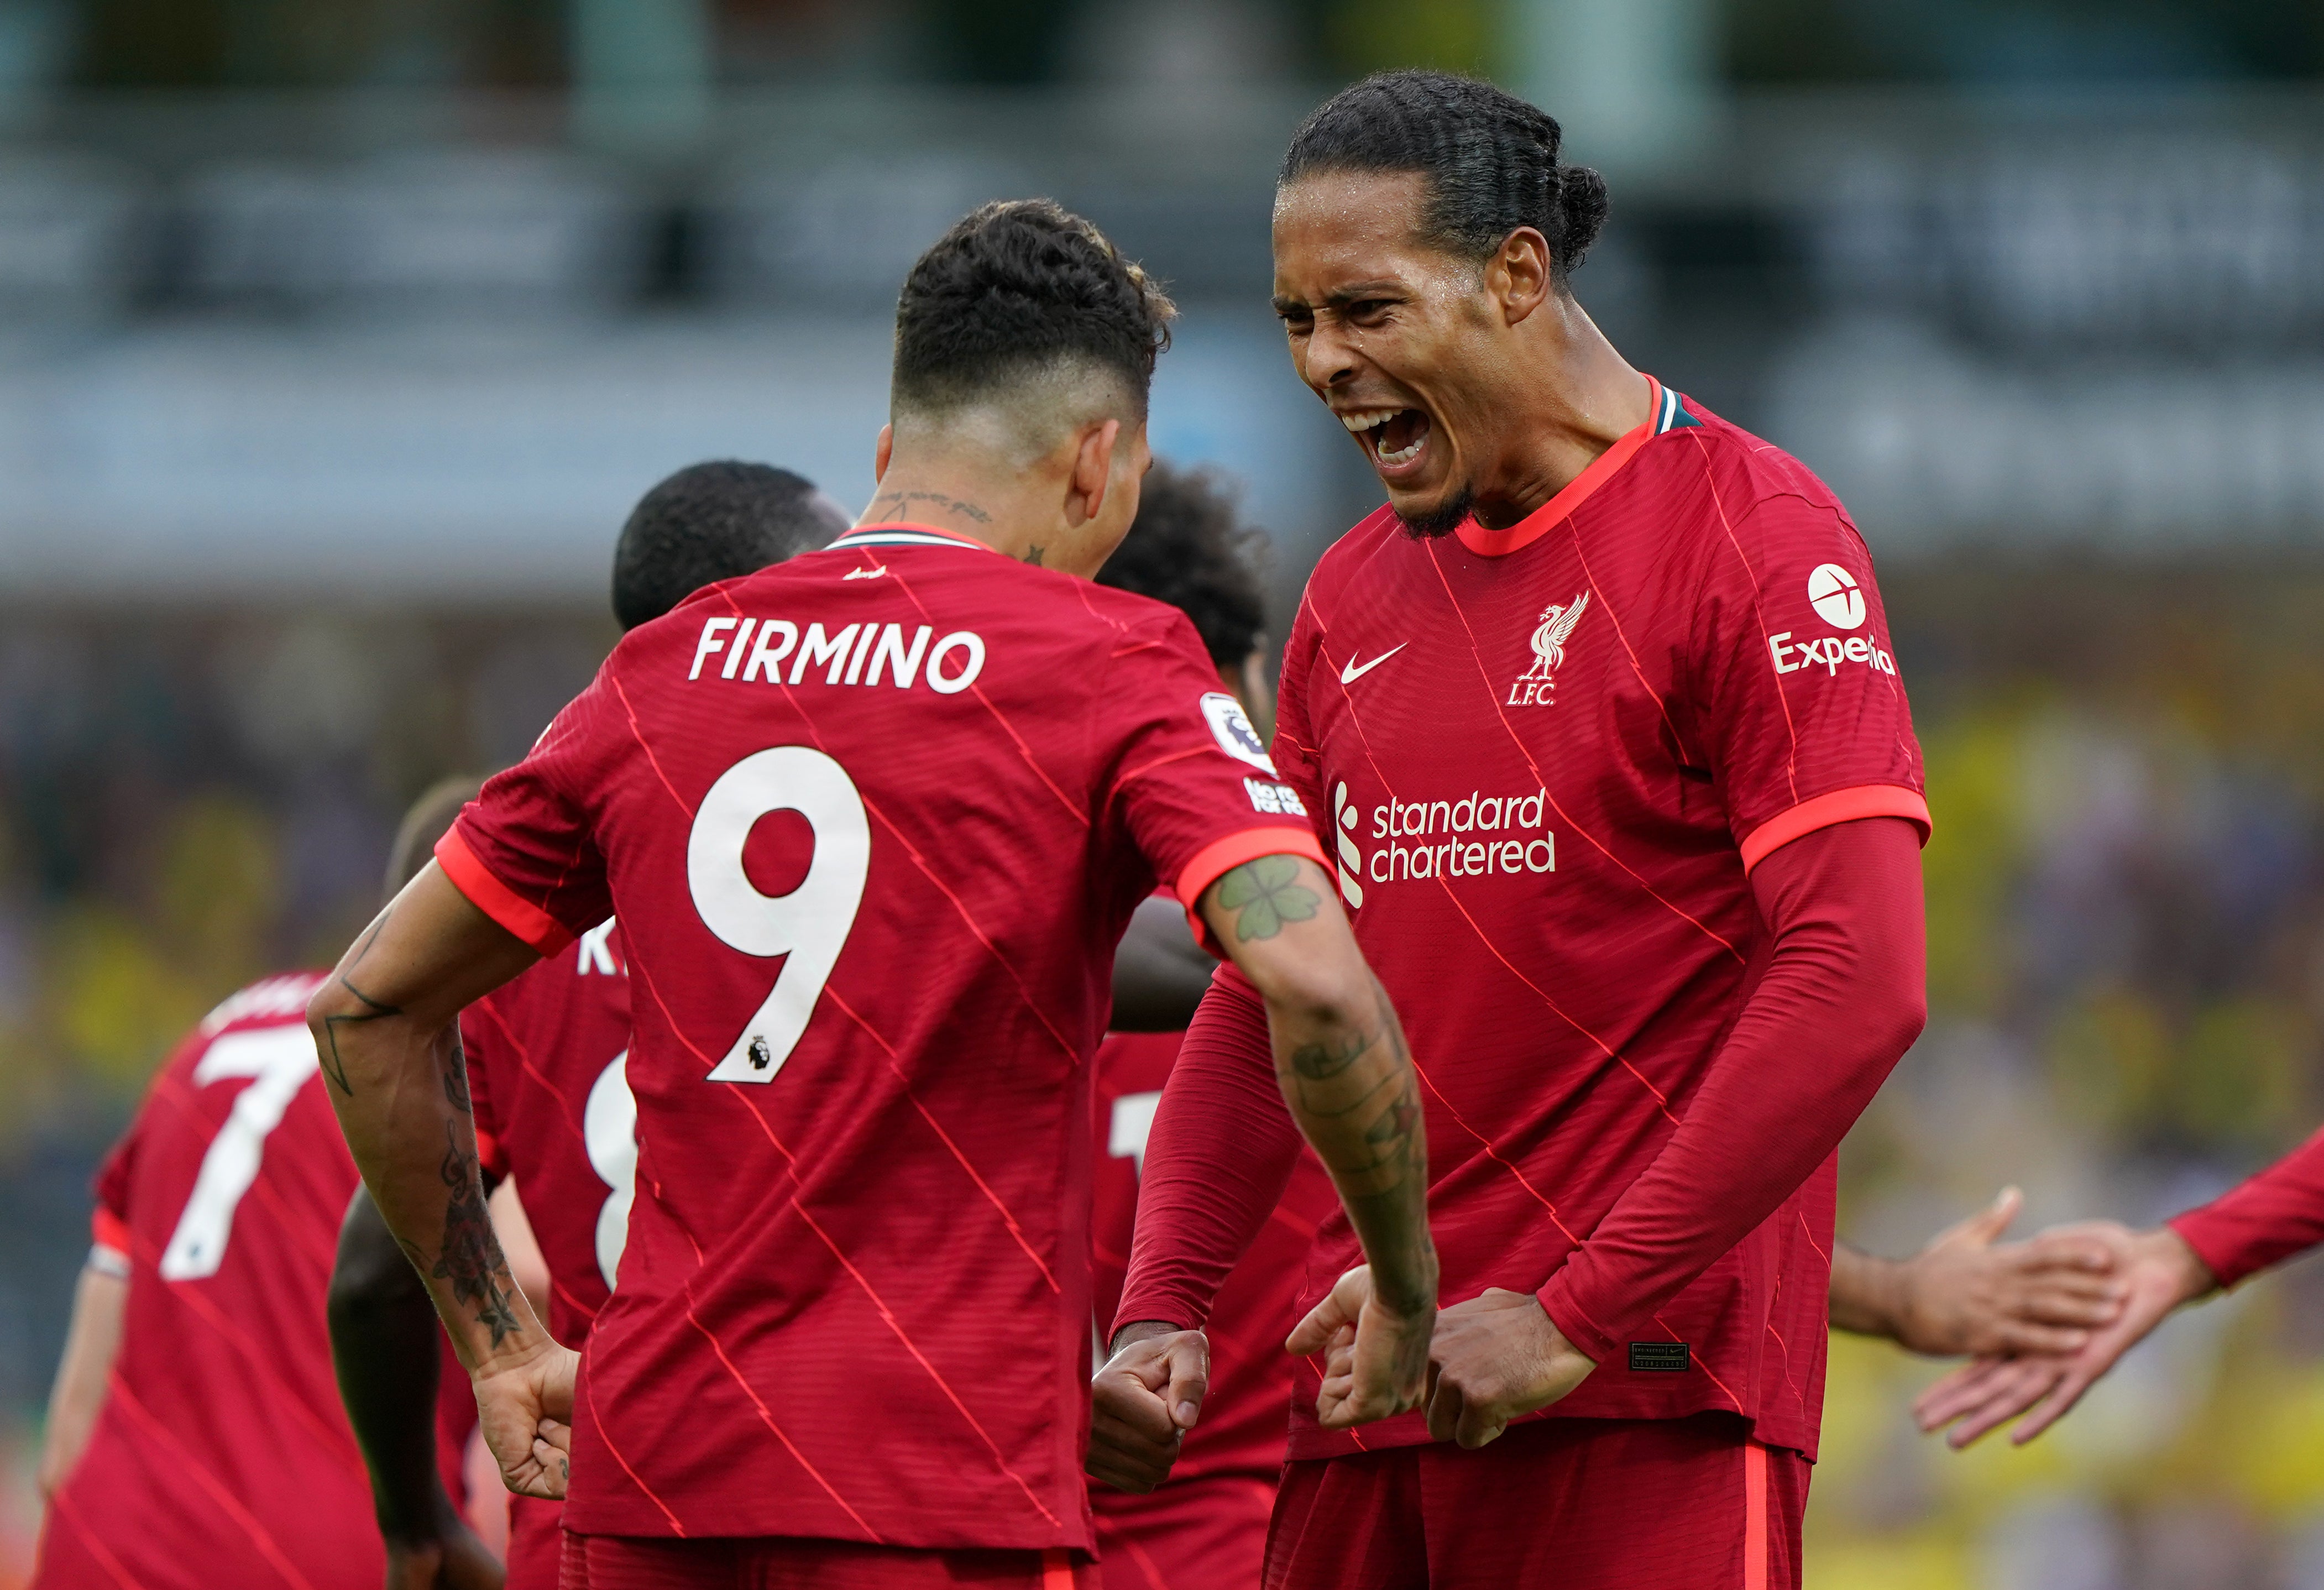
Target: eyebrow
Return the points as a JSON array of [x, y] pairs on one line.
[[1341, 297]]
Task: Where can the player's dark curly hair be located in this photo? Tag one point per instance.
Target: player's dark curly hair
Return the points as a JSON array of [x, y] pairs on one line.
[[1188, 547], [1015, 286], [712, 522], [1491, 160]]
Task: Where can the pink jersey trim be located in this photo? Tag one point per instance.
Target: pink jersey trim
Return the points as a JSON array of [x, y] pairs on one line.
[[1755, 1516], [108, 1230], [1500, 543], [1223, 856], [1841, 806], [495, 899]]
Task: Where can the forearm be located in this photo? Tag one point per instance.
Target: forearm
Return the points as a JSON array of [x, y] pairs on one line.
[[385, 1348], [1339, 1060], [386, 1034], [100, 1299], [2263, 1221], [1863, 1292], [1221, 1150], [1837, 1005]]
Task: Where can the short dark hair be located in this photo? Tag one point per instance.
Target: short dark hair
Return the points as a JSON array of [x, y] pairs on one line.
[[430, 817], [1015, 286], [1188, 547], [1491, 160], [714, 522]]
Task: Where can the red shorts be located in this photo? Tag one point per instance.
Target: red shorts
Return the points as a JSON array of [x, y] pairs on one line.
[[1204, 1534], [622, 1562], [536, 1541], [1580, 1503]]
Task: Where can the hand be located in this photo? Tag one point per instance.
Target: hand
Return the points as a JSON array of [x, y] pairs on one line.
[[1963, 1294], [2160, 1273], [455, 1560], [1375, 1360], [525, 1410], [1143, 1402], [1497, 1356]]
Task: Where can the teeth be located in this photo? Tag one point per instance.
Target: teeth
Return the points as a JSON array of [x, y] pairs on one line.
[[1362, 420], [1404, 454]]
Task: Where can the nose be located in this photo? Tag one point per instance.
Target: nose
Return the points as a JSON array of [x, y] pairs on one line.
[[1327, 360]]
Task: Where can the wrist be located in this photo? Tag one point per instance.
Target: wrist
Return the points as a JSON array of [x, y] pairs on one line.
[[1141, 1330], [1408, 1291], [2190, 1276], [428, 1523]]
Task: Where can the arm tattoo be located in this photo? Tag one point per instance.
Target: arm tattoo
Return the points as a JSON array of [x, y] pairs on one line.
[[1032, 555], [904, 500], [1324, 1059], [454, 1067], [470, 1257], [1264, 895], [335, 1066]]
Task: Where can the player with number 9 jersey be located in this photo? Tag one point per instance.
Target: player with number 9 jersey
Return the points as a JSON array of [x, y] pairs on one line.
[[872, 821], [222, 1455]]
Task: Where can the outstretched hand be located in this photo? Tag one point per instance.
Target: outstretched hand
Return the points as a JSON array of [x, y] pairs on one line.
[[1967, 1292], [1374, 1361], [525, 1410], [1497, 1356], [1142, 1402], [2159, 1272]]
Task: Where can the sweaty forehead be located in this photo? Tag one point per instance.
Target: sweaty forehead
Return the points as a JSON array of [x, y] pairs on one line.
[[1332, 228]]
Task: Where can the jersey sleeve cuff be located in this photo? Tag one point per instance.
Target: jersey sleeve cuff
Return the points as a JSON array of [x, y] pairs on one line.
[[495, 899], [1573, 1322], [1824, 811], [2216, 1244], [1222, 856], [109, 1231], [1177, 1312]]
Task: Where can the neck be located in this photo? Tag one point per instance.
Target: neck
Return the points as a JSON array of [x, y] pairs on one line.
[[1572, 397], [958, 501]]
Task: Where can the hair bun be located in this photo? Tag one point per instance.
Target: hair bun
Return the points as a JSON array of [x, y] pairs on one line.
[[1582, 201]]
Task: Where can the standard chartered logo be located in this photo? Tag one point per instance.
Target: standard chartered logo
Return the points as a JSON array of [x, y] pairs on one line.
[[1476, 836]]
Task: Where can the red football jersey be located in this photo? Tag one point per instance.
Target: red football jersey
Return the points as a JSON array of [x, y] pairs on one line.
[[1246, 1415], [547, 1057], [873, 821], [223, 1456], [1546, 759]]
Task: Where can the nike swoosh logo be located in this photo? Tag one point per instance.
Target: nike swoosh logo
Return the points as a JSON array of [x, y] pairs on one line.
[[1351, 673]]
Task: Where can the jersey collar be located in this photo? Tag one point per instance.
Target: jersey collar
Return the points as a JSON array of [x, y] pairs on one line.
[[902, 534], [1664, 413]]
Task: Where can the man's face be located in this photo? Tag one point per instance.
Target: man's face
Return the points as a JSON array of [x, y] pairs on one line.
[[1399, 337]]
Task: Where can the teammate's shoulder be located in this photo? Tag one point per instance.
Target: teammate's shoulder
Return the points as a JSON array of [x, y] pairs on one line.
[[274, 1000], [1378, 531]]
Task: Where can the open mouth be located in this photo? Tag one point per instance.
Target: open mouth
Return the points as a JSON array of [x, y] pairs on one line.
[[1394, 436]]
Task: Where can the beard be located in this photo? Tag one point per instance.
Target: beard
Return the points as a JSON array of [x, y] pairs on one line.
[[1441, 519]]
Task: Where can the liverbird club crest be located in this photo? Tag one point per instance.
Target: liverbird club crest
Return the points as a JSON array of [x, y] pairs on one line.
[[1533, 687]]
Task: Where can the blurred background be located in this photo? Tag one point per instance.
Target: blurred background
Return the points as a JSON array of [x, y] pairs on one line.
[[337, 337]]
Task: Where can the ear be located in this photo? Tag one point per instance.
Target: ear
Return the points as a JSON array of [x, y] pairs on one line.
[[1520, 274], [1092, 469], [882, 452]]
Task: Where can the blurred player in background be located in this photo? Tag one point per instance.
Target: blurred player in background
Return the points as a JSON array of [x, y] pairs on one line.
[[851, 1336], [195, 1438], [544, 1066], [1601, 723], [1208, 1526], [2264, 1220]]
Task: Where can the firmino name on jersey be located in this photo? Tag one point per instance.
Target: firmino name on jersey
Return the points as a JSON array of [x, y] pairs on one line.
[[857, 654], [1482, 836]]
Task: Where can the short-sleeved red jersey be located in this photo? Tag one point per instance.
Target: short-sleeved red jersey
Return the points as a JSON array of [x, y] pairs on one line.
[[223, 1456], [547, 1057], [1246, 1414], [1546, 759], [872, 821]]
